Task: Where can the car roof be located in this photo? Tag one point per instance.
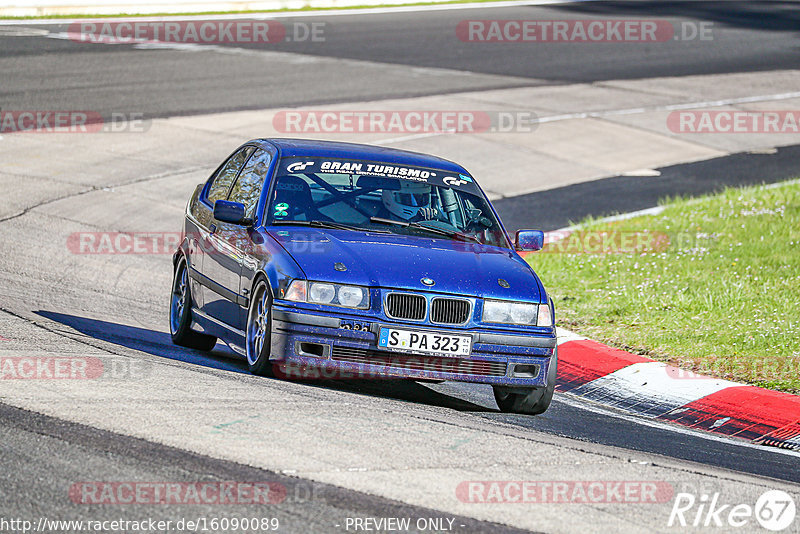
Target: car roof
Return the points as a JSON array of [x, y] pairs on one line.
[[336, 149]]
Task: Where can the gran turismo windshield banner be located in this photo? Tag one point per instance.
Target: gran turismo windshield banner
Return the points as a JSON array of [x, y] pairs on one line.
[[425, 175]]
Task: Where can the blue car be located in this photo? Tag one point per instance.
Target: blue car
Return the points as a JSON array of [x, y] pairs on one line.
[[362, 261]]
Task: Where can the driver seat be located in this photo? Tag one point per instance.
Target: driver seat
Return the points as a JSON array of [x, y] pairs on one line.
[[295, 193]]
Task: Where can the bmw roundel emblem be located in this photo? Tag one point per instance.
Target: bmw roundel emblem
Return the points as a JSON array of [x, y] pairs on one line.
[[427, 281]]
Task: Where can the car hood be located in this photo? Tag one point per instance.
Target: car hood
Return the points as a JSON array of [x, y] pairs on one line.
[[401, 261]]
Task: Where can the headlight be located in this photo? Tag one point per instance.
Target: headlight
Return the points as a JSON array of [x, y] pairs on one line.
[[353, 297], [523, 313], [327, 293], [321, 293]]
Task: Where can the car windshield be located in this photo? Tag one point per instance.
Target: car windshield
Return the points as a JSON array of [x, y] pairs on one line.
[[375, 196]]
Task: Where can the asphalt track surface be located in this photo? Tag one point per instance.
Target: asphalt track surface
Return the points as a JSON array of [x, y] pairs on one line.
[[560, 207], [47, 73], [44, 445]]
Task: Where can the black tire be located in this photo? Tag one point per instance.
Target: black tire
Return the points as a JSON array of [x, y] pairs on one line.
[[259, 329], [180, 313], [535, 401]]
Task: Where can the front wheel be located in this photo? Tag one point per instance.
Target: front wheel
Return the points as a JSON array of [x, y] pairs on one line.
[[534, 401], [180, 314], [259, 328]]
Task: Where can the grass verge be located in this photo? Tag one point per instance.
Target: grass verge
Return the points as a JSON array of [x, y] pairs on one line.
[[720, 298]]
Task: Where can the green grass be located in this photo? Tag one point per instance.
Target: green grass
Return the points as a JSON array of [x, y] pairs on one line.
[[246, 12], [722, 299]]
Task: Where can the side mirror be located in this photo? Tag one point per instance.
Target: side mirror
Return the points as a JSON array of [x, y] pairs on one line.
[[230, 212], [529, 240]]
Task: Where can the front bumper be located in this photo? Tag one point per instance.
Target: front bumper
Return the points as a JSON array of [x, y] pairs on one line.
[[315, 345]]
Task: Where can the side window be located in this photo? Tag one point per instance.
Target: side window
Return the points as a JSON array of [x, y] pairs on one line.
[[248, 186], [222, 181]]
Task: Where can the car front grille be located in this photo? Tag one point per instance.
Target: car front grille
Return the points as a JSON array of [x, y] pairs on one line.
[[449, 311], [419, 363], [406, 306]]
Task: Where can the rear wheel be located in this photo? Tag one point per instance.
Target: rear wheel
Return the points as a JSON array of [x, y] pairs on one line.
[[534, 401], [180, 313], [259, 328]]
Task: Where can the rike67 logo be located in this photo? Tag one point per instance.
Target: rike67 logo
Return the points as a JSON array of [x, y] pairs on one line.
[[774, 510]]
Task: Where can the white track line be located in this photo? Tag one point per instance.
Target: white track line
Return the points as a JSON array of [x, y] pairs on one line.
[[659, 209], [669, 107], [644, 387], [592, 406], [628, 111]]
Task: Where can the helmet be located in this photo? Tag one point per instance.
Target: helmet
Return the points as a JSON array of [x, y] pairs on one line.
[[407, 202]]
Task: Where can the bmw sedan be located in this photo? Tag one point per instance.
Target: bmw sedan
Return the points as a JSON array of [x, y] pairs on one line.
[[363, 262]]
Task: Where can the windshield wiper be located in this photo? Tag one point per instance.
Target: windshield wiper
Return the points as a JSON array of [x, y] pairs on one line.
[[328, 224], [431, 229]]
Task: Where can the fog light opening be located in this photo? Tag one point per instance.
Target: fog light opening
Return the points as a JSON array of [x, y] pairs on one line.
[[525, 371], [315, 350]]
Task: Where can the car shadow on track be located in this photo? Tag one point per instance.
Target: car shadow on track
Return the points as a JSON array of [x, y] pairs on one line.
[[160, 344], [145, 340], [405, 390]]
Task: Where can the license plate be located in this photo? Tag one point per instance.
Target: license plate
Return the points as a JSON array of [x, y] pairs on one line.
[[425, 342]]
